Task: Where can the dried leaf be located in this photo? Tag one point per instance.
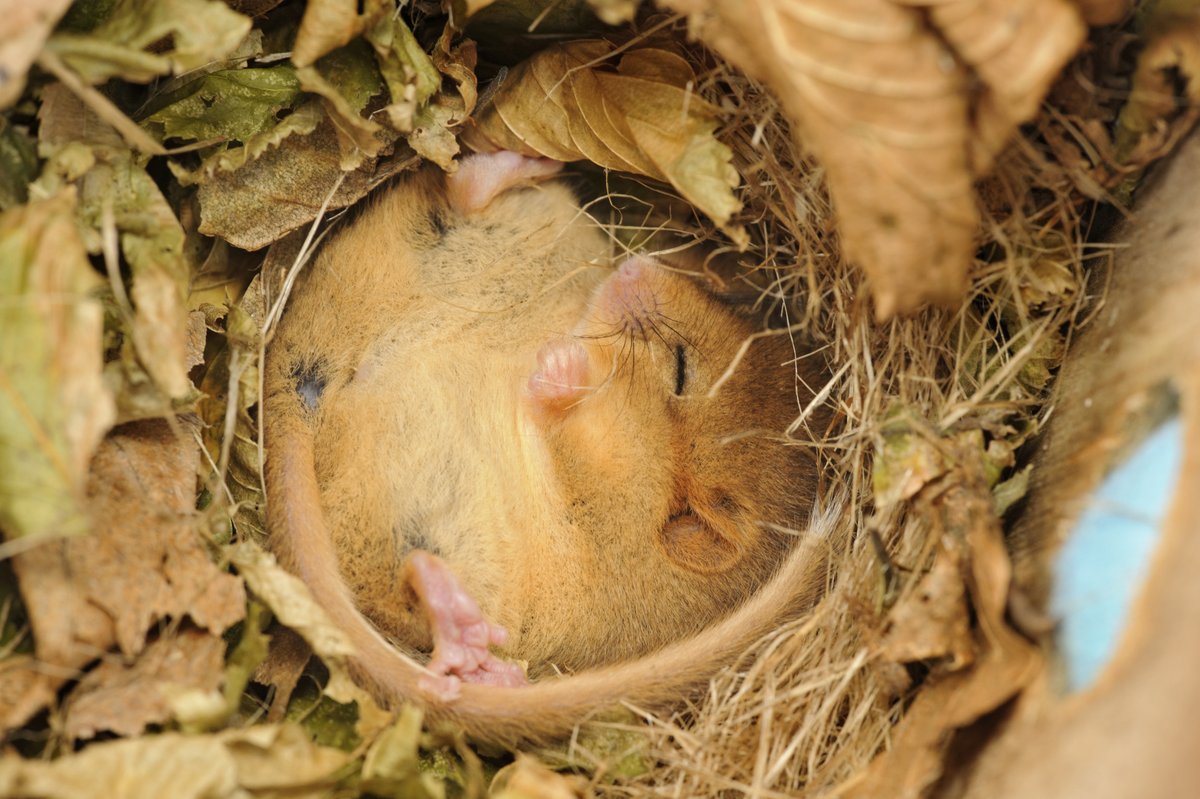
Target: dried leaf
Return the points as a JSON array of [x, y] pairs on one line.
[[124, 698], [568, 103], [408, 71], [1006, 663], [54, 408], [284, 189], [285, 662], [888, 110], [1164, 102], [116, 191], [392, 766], [129, 43], [930, 622], [526, 778], [235, 763], [144, 561], [906, 460], [330, 24], [291, 601], [24, 27]]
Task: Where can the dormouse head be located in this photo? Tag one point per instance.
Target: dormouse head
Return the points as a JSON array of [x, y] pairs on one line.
[[666, 413]]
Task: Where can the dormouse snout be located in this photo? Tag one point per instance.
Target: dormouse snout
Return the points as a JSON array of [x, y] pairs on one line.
[[631, 293]]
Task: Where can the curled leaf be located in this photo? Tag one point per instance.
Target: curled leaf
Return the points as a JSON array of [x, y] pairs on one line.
[[330, 24], [1164, 102], [904, 103], [129, 43], [635, 112]]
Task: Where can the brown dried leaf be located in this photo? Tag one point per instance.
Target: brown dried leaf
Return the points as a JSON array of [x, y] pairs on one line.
[[288, 655], [1156, 117], [526, 778], [887, 108], [26, 687], [144, 561], [568, 103], [259, 760], [961, 510], [126, 697], [330, 24], [931, 621], [284, 189], [24, 28]]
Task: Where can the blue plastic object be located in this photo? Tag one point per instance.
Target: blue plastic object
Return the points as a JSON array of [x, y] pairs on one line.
[[1103, 564]]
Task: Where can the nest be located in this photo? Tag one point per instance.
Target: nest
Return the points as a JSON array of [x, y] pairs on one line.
[[930, 408]]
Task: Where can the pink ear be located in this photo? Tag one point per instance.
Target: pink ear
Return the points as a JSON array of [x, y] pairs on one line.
[[484, 176]]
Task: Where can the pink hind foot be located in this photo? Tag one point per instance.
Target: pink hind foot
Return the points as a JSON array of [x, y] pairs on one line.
[[461, 634]]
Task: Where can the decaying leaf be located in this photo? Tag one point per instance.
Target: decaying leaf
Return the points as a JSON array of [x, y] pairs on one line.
[[258, 761], [889, 110], [24, 27], [144, 561], [291, 601], [129, 42], [633, 112], [330, 24], [243, 207], [962, 511], [54, 408], [526, 778], [392, 766], [124, 698], [229, 104], [1164, 102], [117, 196]]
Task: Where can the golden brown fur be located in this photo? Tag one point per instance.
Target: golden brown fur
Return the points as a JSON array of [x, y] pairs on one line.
[[597, 531]]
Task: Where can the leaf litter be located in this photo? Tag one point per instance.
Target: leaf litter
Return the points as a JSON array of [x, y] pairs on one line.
[[905, 109]]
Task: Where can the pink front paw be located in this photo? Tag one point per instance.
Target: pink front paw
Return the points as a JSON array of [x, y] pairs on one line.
[[461, 634], [561, 378]]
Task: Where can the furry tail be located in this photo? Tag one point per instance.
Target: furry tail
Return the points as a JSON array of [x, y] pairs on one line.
[[552, 708], [547, 709]]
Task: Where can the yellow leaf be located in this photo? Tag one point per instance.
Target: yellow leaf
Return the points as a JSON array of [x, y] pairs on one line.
[[54, 408]]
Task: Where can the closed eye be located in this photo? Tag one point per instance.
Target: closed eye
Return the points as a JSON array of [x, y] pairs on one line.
[[680, 370]]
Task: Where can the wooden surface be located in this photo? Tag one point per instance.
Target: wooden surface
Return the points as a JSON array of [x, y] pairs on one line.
[[1136, 732]]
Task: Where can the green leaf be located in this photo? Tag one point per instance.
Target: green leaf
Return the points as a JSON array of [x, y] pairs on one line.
[[127, 44], [232, 104], [407, 70], [346, 80], [53, 406]]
